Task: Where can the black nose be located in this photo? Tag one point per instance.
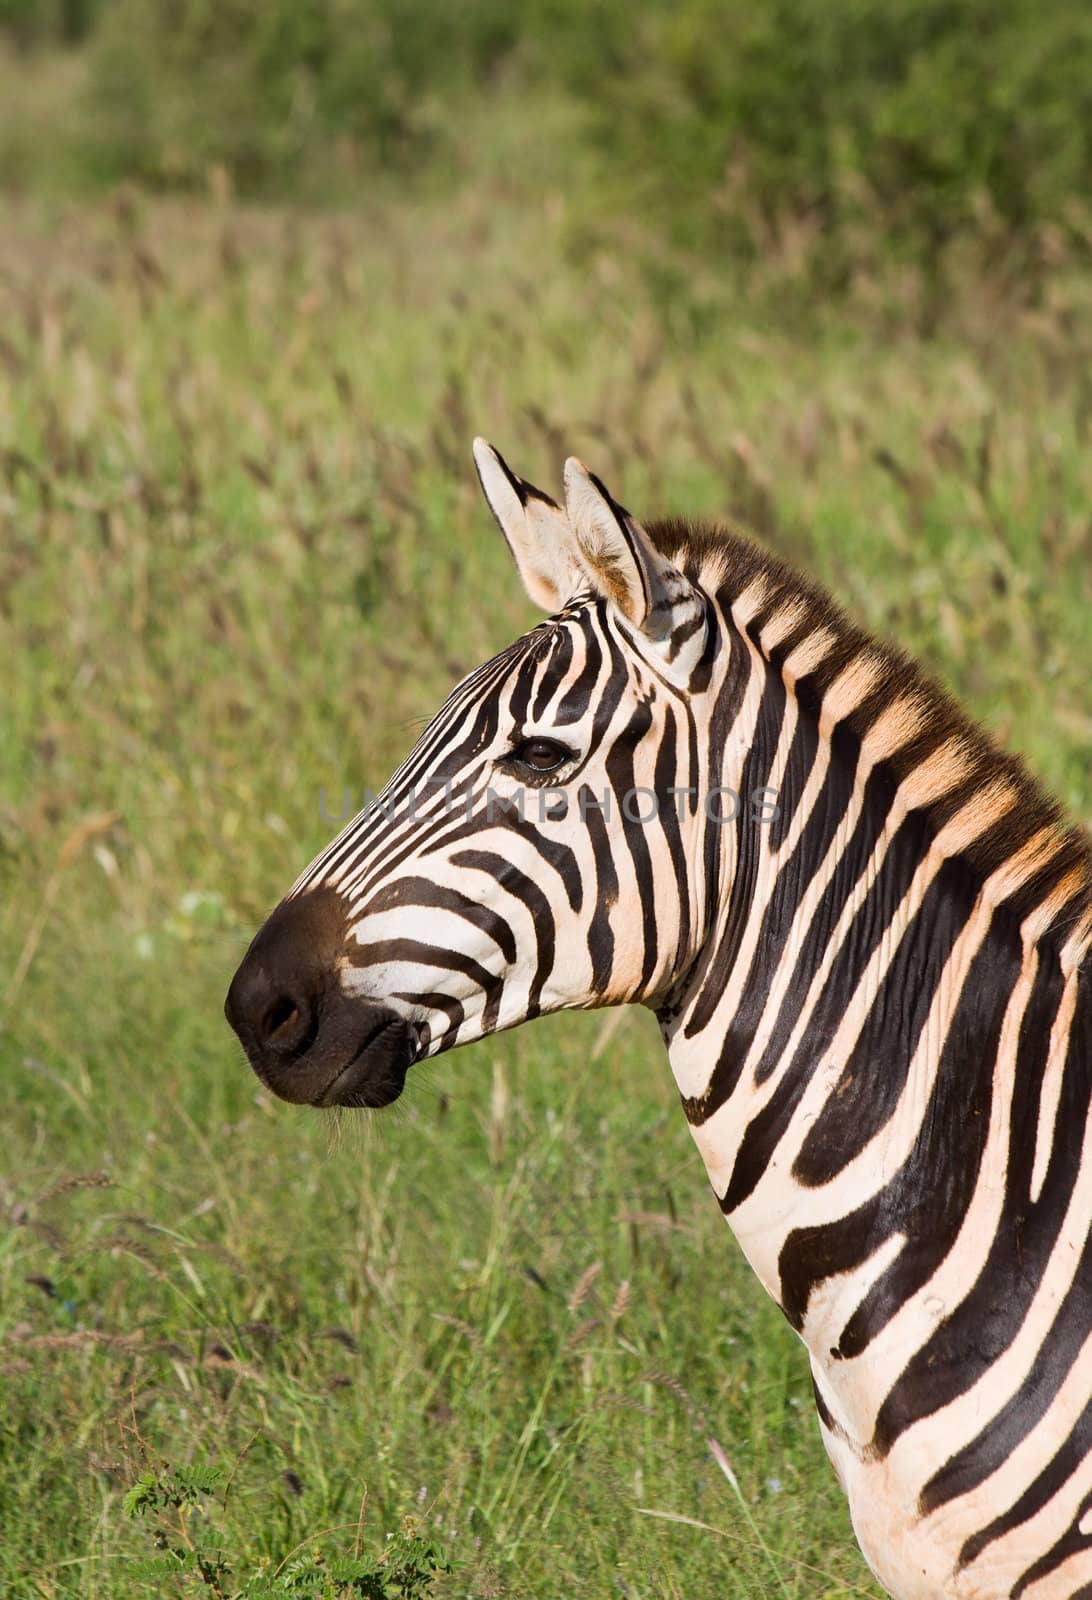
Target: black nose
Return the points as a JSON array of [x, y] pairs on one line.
[[277, 997], [308, 1039], [271, 1015]]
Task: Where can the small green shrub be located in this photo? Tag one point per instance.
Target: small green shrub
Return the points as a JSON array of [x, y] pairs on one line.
[[403, 1570]]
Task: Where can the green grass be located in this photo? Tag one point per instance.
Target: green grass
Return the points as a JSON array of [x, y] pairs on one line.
[[242, 555]]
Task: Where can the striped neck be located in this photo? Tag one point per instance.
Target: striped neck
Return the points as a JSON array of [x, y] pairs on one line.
[[859, 967]]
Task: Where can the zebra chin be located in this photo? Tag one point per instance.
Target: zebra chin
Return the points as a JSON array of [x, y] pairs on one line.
[[306, 1039]]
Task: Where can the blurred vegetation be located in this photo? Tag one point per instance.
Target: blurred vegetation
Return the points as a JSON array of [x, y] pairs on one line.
[[854, 126], [242, 557], [915, 120], [31, 24]]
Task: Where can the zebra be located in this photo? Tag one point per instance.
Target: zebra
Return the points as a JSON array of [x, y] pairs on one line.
[[864, 931]]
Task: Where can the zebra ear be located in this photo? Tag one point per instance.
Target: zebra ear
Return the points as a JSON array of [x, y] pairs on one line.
[[535, 527], [623, 563]]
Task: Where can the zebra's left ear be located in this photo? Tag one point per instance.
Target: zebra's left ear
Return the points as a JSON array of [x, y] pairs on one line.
[[624, 565], [535, 528]]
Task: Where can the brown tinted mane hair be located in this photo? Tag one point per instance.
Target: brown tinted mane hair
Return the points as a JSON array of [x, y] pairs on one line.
[[731, 563]]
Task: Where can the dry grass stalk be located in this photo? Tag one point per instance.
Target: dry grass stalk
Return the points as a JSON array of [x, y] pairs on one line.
[[584, 1285]]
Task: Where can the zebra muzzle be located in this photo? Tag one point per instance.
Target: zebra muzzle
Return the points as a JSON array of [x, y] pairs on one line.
[[307, 1040]]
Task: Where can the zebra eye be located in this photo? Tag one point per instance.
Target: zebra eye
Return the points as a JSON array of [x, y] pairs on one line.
[[541, 755]]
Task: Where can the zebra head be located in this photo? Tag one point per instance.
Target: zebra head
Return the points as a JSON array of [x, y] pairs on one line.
[[537, 850]]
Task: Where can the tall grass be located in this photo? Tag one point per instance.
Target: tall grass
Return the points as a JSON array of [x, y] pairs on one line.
[[241, 556]]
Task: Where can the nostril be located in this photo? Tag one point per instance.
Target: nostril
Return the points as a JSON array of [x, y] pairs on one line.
[[281, 1014], [288, 1025]]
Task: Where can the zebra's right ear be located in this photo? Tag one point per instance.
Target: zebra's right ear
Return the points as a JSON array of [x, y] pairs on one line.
[[535, 528]]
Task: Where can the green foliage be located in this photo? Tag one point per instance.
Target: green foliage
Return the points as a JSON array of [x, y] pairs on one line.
[[242, 557], [184, 1486], [847, 128], [901, 118], [33, 23], [404, 1569], [181, 85]]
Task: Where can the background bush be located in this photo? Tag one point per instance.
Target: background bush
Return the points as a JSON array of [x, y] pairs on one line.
[[917, 113], [267, 90], [857, 123], [31, 23]]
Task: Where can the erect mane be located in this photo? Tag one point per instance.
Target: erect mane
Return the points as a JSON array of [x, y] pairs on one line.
[[981, 802]]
